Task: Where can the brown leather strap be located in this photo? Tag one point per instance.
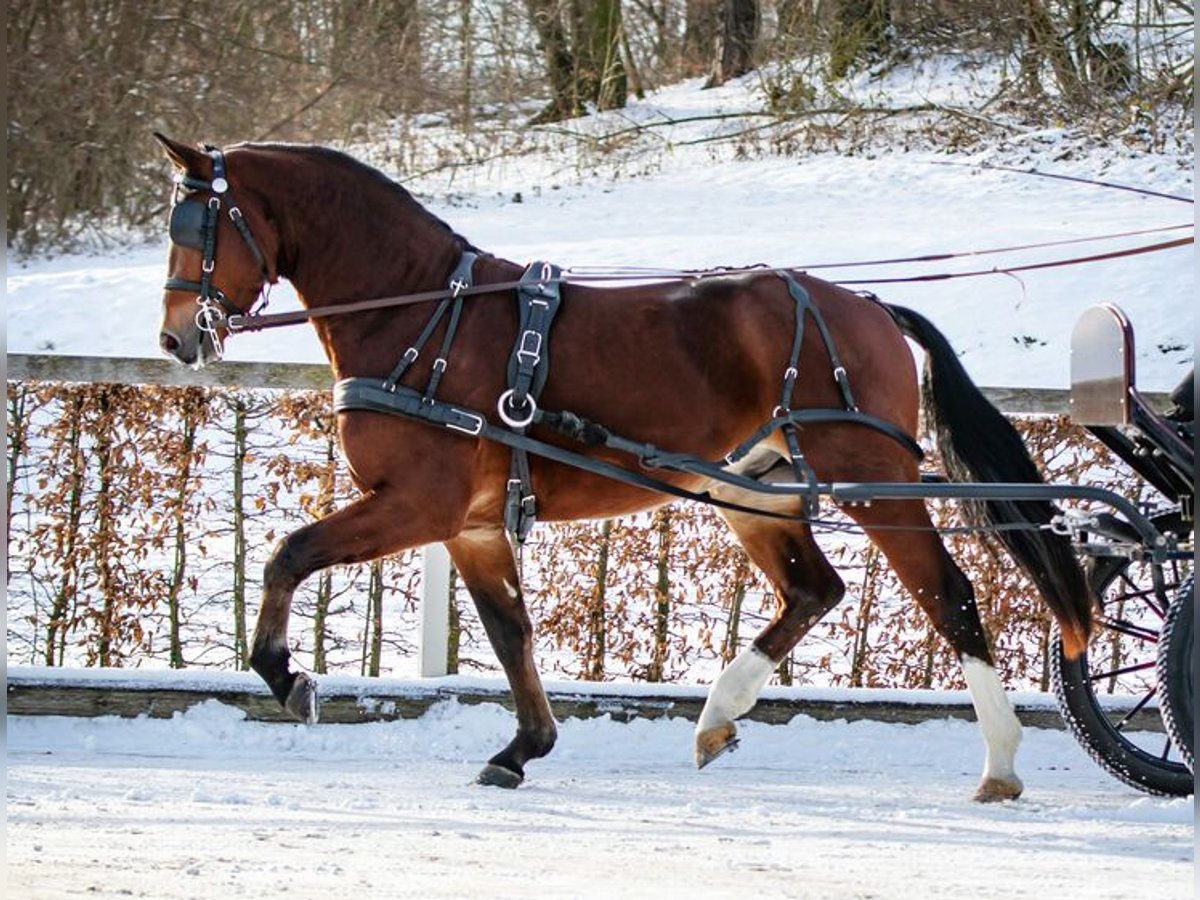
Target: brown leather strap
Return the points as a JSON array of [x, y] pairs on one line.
[[261, 322], [1008, 270]]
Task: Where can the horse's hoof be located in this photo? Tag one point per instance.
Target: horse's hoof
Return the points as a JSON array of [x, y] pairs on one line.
[[995, 790], [302, 699], [715, 742], [498, 776]]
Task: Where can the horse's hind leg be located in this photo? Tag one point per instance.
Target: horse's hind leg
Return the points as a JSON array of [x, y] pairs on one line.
[[806, 587], [903, 531], [484, 560]]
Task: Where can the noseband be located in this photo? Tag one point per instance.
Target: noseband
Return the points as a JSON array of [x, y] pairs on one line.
[[193, 224]]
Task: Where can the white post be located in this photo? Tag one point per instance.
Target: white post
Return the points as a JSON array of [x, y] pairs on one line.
[[435, 611]]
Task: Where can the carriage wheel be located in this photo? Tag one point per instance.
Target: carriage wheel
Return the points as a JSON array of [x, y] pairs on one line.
[[1175, 674], [1108, 695]]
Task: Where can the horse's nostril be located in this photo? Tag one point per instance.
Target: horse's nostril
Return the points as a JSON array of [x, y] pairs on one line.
[[168, 342]]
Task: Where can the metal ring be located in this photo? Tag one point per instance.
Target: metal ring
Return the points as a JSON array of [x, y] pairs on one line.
[[510, 420], [209, 316]]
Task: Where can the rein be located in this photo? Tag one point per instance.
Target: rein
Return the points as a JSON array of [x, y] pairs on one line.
[[261, 322]]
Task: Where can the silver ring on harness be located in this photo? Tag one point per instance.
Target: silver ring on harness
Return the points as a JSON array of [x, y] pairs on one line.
[[512, 421], [209, 316]]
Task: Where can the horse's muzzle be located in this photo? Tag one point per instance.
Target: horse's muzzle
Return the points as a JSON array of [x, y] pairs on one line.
[[195, 349]]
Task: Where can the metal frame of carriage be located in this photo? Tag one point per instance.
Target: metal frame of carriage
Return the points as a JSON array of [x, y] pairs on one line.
[[1146, 590]]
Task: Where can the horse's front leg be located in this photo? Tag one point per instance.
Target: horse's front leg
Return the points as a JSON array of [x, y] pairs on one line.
[[484, 560], [372, 526]]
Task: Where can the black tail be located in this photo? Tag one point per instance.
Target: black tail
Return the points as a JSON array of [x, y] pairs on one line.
[[977, 443]]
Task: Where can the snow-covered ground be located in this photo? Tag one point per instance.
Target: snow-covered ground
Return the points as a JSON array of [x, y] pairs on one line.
[[208, 805]]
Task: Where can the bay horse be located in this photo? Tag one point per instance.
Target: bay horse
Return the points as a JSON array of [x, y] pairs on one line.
[[693, 365]]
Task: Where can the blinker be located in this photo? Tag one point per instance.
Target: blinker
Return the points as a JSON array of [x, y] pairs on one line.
[[187, 224]]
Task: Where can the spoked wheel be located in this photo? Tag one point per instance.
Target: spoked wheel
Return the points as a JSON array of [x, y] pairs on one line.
[[1109, 696], [1176, 685]]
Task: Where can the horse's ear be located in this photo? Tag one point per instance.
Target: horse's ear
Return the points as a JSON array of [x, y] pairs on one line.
[[186, 158]]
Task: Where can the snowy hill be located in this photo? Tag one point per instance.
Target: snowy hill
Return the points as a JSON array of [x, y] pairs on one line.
[[689, 179]]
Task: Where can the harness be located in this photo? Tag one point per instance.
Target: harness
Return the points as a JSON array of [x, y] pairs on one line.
[[528, 369], [193, 224]]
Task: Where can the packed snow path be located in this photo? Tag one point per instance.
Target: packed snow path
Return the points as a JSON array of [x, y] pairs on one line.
[[208, 805]]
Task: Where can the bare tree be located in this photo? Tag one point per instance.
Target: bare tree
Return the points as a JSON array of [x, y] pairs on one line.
[[581, 48], [739, 35]]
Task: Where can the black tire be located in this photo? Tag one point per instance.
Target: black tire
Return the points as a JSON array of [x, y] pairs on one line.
[[1121, 665], [1176, 684]]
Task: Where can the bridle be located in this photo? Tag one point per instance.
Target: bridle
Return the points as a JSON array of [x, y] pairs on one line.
[[193, 224]]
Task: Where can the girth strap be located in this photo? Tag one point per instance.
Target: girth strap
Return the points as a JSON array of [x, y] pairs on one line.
[[528, 367], [529, 363]]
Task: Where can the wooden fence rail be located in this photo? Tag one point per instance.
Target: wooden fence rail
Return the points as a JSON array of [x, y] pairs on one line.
[[1016, 401], [349, 700]]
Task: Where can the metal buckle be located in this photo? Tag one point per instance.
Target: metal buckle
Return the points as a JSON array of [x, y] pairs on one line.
[[536, 353], [473, 429]]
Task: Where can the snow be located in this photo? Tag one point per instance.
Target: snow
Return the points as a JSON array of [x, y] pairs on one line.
[[666, 201], [208, 805], [201, 681]]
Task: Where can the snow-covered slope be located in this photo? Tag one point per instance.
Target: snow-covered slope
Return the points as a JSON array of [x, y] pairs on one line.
[[689, 195]]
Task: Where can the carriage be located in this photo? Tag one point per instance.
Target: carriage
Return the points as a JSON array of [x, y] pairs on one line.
[[1143, 655], [762, 392]]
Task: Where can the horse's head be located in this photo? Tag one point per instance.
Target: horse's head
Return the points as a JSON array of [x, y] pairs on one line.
[[223, 252]]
